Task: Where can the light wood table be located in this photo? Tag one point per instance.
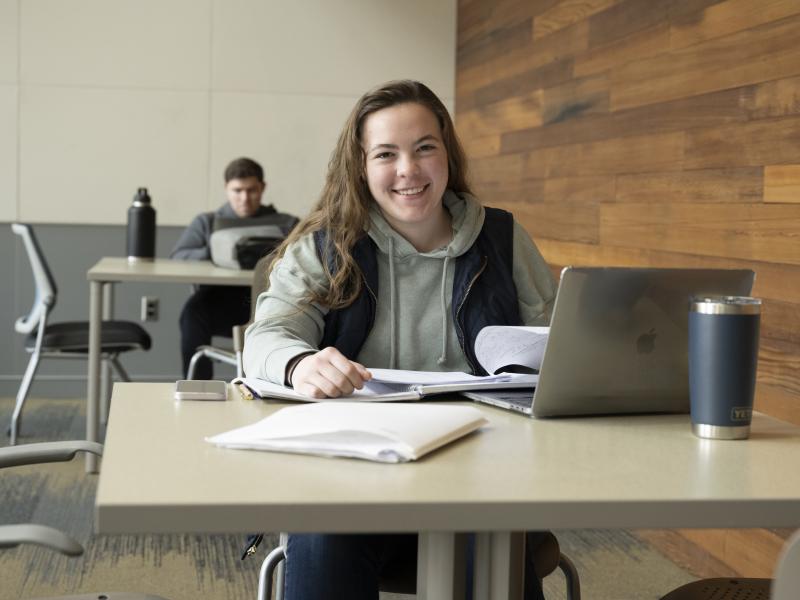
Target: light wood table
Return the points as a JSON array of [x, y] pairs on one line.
[[102, 276], [160, 476]]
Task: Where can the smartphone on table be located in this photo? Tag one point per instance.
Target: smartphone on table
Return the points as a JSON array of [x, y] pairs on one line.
[[189, 389]]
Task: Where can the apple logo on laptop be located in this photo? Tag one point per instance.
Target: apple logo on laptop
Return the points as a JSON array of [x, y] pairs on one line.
[[646, 342]]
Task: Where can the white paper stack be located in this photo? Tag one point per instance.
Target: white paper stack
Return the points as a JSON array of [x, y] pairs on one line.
[[389, 433]]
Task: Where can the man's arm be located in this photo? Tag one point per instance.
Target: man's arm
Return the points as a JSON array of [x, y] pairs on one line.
[[193, 243]]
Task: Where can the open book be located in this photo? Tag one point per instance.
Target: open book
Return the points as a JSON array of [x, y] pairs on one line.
[[381, 432], [517, 349], [497, 348]]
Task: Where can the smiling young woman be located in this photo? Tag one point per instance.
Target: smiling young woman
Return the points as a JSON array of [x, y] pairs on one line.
[[398, 265], [406, 171]]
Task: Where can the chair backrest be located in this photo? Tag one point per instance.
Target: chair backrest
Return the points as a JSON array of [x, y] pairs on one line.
[[260, 280], [786, 584], [46, 291], [260, 284]]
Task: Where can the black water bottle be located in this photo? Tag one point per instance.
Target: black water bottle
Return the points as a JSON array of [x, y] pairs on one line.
[[141, 238]]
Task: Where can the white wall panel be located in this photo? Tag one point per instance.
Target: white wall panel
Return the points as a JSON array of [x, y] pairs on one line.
[[291, 136], [332, 47], [117, 94], [147, 43], [85, 151], [9, 36], [8, 152]]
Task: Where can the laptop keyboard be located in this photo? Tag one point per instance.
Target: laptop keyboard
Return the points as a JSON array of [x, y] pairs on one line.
[[523, 400], [520, 401]]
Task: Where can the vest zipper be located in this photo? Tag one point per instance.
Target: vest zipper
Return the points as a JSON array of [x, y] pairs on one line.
[[374, 299], [459, 331]]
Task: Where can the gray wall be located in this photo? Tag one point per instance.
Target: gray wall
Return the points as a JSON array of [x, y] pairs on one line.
[[70, 251]]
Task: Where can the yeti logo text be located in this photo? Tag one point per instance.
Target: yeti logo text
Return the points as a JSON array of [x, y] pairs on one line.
[[741, 413]]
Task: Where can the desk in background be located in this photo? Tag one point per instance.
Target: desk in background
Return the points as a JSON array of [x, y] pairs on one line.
[[102, 276], [160, 476]]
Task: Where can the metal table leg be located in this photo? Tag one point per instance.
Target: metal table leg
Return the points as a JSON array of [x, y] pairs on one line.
[[499, 566], [93, 376], [105, 367], [440, 566]]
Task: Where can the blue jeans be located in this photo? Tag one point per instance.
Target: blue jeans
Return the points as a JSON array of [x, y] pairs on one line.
[[349, 566], [341, 567]]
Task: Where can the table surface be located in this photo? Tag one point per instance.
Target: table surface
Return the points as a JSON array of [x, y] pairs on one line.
[[159, 475], [114, 269]]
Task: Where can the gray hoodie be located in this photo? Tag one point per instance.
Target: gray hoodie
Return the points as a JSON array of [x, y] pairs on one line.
[[413, 322]]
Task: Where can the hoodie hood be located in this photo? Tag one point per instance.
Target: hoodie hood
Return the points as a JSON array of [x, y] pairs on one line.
[[467, 220]]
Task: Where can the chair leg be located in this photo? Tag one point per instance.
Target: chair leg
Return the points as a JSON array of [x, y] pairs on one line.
[[106, 384], [273, 559], [113, 360], [279, 576], [571, 575], [239, 364], [283, 540], [193, 363], [22, 395]]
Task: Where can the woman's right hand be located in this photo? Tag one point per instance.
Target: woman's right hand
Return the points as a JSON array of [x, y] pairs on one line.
[[328, 374]]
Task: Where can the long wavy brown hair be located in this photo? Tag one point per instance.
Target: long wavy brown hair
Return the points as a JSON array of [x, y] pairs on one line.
[[343, 206]]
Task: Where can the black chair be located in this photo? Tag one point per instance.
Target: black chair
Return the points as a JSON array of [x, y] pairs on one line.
[[48, 537], [66, 339], [785, 585]]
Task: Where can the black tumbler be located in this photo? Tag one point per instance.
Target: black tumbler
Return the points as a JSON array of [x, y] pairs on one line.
[[141, 236], [723, 357]]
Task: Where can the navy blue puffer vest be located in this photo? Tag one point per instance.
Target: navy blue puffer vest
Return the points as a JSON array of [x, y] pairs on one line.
[[483, 289]]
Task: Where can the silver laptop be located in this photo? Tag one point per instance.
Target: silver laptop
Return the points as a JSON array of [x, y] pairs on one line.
[[618, 342]]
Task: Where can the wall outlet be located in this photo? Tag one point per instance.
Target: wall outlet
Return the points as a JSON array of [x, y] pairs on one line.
[[149, 310]]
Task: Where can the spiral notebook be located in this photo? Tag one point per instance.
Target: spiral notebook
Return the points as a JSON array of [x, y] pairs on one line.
[[394, 385]]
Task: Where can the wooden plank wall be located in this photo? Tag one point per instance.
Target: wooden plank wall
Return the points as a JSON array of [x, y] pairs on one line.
[[650, 132]]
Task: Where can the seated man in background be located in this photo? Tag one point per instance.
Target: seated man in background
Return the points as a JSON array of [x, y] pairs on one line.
[[215, 309]]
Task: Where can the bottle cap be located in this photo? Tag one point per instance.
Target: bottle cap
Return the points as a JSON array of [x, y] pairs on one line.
[[141, 198], [726, 305]]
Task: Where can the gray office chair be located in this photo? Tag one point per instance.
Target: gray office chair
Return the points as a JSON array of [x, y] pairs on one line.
[[402, 579], [234, 357], [15, 535], [785, 586], [66, 339]]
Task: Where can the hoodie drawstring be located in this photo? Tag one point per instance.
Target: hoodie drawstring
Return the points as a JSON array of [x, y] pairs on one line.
[[393, 313], [445, 324]]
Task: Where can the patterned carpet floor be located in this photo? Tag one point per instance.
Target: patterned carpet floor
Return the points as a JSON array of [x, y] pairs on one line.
[[613, 565]]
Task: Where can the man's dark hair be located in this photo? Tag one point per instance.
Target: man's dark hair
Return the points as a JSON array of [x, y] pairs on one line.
[[242, 168]]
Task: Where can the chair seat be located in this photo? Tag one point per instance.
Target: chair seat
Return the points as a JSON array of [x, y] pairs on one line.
[[73, 336], [720, 588]]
